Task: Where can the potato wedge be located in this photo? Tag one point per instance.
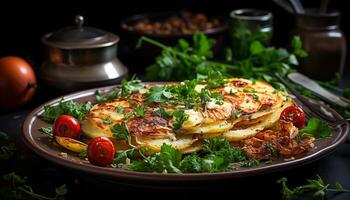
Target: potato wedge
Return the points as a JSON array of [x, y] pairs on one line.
[[71, 144]]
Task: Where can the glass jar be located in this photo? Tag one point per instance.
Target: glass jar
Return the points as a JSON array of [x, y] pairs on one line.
[[247, 25], [324, 42]]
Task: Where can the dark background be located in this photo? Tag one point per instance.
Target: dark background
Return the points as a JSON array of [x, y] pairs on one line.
[[23, 24]]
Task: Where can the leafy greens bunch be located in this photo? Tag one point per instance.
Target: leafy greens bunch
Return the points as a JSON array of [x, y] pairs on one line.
[[183, 61], [219, 156], [258, 62]]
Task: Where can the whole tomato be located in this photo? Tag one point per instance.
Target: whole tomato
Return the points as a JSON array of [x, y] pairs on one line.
[[66, 126], [100, 151], [17, 82]]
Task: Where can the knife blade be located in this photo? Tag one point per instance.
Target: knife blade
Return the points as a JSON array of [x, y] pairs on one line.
[[317, 89]]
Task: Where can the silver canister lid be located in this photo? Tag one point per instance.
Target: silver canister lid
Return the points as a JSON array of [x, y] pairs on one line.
[[79, 37]]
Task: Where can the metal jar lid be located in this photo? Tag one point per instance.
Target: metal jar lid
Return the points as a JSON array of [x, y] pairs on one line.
[[80, 37]]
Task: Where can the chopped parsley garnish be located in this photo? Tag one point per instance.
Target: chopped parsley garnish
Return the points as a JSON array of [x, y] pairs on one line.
[[316, 128], [128, 115], [273, 151], [215, 79], [161, 112], [139, 111], [47, 131], [180, 118], [83, 154], [249, 91], [129, 87], [237, 113], [75, 109], [120, 131], [219, 154], [114, 93], [107, 121], [250, 163], [158, 94], [120, 109]]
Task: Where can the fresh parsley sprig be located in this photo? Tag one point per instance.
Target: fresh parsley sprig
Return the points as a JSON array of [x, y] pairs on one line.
[[126, 89], [120, 131], [17, 189], [316, 128], [219, 154], [317, 187], [75, 109], [7, 148]]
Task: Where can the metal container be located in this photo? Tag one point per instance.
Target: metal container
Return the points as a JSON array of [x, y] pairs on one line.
[[81, 57]]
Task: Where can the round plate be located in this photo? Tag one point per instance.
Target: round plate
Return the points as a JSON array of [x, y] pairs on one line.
[[41, 145]]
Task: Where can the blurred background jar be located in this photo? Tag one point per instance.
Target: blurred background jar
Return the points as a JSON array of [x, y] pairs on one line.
[[323, 41], [247, 25]]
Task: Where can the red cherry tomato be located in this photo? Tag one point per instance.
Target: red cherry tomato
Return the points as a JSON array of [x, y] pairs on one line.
[[66, 126], [101, 151], [293, 114], [17, 82]]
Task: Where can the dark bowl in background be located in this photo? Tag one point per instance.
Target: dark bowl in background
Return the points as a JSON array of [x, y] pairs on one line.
[[138, 59]]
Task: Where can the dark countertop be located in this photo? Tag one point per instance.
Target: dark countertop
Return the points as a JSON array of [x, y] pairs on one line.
[[44, 176]]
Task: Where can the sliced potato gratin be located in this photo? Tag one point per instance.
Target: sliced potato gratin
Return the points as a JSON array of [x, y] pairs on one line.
[[157, 114]]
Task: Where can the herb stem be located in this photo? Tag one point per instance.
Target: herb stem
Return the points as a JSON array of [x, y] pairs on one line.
[[233, 67], [34, 195], [339, 190]]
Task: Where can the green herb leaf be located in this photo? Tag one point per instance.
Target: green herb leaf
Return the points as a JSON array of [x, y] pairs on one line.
[[236, 113], [161, 112], [139, 111], [114, 93], [250, 163], [317, 129], [75, 109], [61, 190], [107, 121], [167, 160], [120, 109], [255, 97], [317, 186], [7, 149], [120, 131], [15, 187], [120, 157], [191, 164], [273, 151], [129, 87], [158, 94], [180, 118], [47, 131], [256, 47], [83, 154], [3, 136]]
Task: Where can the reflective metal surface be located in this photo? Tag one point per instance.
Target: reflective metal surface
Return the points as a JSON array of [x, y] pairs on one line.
[[81, 57]]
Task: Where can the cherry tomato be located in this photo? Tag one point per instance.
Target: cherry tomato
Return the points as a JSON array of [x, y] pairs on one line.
[[101, 151], [17, 82], [293, 114], [66, 126]]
